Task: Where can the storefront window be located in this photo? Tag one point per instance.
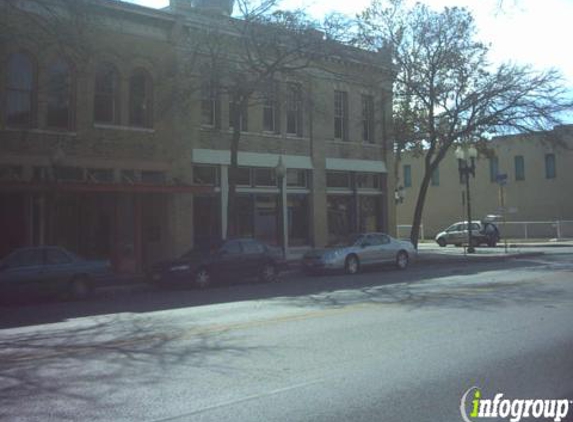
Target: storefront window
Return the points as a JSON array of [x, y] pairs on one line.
[[153, 177], [205, 175], [265, 177], [207, 220], [298, 216], [368, 180], [296, 178], [243, 176], [339, 209], [68, 174], [99, 175], [337, 179], [266, 218], [368, 213], [244, 216]]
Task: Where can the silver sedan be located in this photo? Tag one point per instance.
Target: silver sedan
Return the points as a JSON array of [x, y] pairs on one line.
[[358, 251]]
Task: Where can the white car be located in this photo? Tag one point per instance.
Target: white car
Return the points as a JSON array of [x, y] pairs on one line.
[[457, 234]]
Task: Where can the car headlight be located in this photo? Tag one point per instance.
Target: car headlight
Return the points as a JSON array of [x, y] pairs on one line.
[[332, 255], [180, 268]]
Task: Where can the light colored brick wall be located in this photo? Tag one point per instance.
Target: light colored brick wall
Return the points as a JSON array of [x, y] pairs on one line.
[[535, 199]]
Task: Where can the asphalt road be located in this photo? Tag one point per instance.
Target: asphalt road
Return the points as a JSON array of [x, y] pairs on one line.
[[381, 346]]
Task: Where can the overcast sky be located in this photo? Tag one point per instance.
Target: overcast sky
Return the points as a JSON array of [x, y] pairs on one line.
[[535, 32]]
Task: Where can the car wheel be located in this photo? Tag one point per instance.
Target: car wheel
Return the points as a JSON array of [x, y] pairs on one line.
[[402, 260], [202, 278], [80, 288], [268, 273], [442, 242], [351, 265]]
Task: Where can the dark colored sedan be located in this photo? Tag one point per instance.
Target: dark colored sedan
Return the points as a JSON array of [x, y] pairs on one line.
[[49, 270], [227, 261]]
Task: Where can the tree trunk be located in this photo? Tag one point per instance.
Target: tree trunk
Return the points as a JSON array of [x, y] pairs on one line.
[[415, 232]]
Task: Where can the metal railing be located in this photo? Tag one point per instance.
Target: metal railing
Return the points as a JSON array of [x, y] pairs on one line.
[[557, 229], [554, 229]]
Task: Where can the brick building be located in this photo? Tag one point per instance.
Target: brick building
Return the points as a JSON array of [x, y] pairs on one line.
[[538, 170], [93, 160]]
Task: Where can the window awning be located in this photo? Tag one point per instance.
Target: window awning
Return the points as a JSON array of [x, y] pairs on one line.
[[347, 164]]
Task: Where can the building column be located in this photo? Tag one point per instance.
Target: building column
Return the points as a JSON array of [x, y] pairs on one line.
[[138, 232], [224, 200], [284, 213]]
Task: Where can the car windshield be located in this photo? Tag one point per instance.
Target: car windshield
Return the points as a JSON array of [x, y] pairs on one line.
[[345, 241]]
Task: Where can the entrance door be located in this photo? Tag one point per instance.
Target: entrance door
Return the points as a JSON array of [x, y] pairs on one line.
[[206, 220], [12, 223]]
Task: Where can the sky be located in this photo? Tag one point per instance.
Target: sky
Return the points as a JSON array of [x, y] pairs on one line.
[[535, 32]]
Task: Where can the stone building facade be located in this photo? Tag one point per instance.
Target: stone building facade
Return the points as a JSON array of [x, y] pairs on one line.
[[98, 154]]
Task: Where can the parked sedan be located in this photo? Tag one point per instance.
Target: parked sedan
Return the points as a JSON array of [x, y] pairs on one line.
[[228, 261], [49, 270], [357, 251]]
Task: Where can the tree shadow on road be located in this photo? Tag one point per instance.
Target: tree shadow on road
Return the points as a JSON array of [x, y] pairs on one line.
[[91, 368], [486, 295]]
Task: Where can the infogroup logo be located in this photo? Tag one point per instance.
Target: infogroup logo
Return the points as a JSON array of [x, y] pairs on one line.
[[514, 409]]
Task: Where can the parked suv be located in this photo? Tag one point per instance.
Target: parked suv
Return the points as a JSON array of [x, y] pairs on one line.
[[483, 233]]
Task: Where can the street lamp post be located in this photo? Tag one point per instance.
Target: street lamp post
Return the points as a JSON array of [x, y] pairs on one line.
[[399, 194], [280, 171], [466, 167]]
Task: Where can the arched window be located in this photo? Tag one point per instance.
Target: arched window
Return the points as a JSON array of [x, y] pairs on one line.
[[59, 95], [20, 90], [106, 95], [140, 99]]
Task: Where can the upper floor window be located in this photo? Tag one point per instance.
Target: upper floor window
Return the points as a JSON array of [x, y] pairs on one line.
[[140, 99], [341, 115], [210, 106], [407, 175], [519, 167], [493, 169], [239, 113], [435, 179], [20, 90], [550, 168], [294, 109], [368, 118], [59, 96], [106, 94], [270, 108]]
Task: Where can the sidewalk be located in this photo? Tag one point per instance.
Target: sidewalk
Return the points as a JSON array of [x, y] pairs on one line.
[[524, 243], [431, 254]]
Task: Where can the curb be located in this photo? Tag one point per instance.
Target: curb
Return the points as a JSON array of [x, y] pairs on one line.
[[533, 245], [438, 260]]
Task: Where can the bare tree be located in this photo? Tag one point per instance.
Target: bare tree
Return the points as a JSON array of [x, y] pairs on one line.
[[243, 60], [446, 91]]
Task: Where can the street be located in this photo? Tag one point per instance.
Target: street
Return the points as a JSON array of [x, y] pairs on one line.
[[384, 345]]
